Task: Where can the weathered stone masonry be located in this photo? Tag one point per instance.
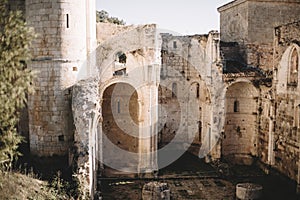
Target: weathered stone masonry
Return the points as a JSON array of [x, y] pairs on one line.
[[286, 100], [266, 57], [59, 59], [236, 93]]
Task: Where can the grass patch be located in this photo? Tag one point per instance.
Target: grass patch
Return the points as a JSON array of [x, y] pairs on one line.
[[15, 185]]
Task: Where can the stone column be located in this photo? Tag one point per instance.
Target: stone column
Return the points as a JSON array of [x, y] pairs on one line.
[[148, 130]]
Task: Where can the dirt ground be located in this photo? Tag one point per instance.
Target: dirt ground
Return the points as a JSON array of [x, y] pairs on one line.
[[191, 178]]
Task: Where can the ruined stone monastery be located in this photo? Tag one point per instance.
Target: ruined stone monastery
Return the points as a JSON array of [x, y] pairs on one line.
[[119, 97]]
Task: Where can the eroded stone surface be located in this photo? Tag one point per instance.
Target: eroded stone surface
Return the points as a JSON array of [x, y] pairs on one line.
[[156, 191], [235, 94], [249, 191]]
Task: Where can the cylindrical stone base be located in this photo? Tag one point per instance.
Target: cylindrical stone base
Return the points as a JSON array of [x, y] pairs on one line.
[[248, 191]]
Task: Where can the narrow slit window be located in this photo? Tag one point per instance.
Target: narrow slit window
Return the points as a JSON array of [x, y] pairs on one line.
[[174, 90], [198, 91], [67, 17], [121, 57], [200, 130], [118, 107], [174, 44], [236, 106]]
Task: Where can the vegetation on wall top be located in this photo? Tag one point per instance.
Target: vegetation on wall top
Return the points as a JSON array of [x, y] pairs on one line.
[[103, 16]]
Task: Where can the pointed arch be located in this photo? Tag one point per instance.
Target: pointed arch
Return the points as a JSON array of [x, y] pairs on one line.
[[293, 67]]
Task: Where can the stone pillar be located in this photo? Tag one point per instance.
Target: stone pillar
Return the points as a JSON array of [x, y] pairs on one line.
[[271, 141], [149, 129], [85, 108]]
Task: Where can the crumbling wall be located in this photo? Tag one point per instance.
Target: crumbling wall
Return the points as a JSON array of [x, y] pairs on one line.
[[286, 127], [107, 30], [266, 121], [86, 115], [184, 97], [193, 102], [139, 44]]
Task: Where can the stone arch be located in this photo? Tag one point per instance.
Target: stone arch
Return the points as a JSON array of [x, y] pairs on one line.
[[293, 66], [172, 89], [241, 105], [125, 80], [194, 89], [120, 127], [288, 69]]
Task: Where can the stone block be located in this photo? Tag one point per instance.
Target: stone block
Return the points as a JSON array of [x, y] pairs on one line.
[[156, 191], [248, 191]]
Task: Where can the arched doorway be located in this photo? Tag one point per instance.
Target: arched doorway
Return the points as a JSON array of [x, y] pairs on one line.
[[239, 142], [120, 129]]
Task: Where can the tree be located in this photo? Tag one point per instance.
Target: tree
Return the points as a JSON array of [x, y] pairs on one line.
[[103, 16], [15, 79]]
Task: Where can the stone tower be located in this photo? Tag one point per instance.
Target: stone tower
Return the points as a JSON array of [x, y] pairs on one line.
[[62, 55], [251, 23]]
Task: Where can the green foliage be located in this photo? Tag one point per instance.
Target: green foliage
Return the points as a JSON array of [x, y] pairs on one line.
[[15, 79], [63, 188], [103, 16]]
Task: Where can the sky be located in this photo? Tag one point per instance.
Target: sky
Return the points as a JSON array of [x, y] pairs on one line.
[[186, 17]]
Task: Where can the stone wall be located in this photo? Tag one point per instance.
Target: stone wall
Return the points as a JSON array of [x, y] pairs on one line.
[[234, 21], [178, 84], [50, 116], [266, 121], [191, 103], [251, 24], [265, 15], [286, 127], [86, 150], [253, 21], [240, 133], [107, 30], [275, 116], [184, 97], [17, 5]]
